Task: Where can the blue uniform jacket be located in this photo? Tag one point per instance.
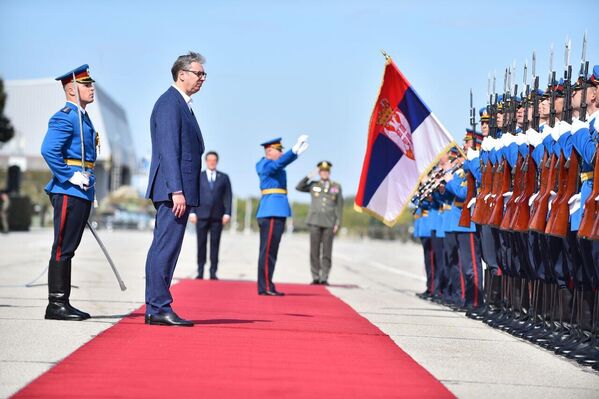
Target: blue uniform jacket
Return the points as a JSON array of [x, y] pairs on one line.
[[63, 141], [458, 187], [585, 143], [424, 227], [272, 175], [177, 147]]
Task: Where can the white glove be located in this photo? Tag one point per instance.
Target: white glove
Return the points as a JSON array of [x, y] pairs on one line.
[[597, 198], [508, 195], [487, 196], [487, 144], [555, 133], [551, 198], [301, 145], [574, 203], [534, 137], [577, 125], [471, 202], [497, 145], [80, 179], [472, 154], [532, 198], [521, 139]]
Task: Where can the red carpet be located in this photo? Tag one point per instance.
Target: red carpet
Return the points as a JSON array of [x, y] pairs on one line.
[[308, 344]]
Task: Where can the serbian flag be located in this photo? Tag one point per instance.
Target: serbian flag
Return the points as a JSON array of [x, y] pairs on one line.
[[404, 141]]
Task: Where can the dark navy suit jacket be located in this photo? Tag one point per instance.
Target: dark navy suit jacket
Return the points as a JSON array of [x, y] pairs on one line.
[[216, 201], [177, 147]]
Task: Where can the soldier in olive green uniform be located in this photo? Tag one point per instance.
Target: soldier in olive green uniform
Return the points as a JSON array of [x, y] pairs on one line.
[[324, 219]]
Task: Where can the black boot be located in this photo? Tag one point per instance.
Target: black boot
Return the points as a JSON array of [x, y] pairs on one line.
[[586, 346], [59, 288], [568, 333], [480, 312]]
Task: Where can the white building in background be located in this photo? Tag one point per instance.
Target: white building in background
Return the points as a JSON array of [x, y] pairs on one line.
[[29, 106]]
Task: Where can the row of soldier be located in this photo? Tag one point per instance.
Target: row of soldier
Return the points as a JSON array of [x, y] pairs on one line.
[[520, 197]]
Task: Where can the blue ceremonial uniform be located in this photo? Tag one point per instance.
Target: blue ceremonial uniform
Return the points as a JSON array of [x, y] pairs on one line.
[[272, 212], [62, 152]]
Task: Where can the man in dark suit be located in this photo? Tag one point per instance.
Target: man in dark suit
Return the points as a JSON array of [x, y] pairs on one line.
[[174, 184], [213, 213]]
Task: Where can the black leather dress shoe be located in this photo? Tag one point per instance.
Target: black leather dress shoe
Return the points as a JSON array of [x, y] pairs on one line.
[[64, 311], [167, 319], [324, 282], [213, 278], [315, 282]]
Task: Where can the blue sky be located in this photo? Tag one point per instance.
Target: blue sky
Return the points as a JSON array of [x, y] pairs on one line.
[[280, 68]]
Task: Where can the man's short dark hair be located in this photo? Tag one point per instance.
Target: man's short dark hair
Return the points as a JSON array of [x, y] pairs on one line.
[[211, 153], [184, 61]]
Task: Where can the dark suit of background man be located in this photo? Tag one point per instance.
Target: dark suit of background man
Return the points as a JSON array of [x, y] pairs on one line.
[[174, 183], [214, 212]]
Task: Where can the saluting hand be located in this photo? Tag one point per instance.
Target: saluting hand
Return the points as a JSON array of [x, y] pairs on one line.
[[313, 173], [179, 204]]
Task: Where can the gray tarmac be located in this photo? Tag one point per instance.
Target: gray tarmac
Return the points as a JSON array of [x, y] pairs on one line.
[[377, 278]]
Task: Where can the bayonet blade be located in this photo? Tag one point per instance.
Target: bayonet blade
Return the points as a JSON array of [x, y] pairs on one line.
[[525, 72], [534, 65], [567, 54], [550, 80]]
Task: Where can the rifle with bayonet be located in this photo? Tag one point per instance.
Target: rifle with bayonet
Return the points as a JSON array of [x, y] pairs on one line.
[[569, 171], [465, 215]]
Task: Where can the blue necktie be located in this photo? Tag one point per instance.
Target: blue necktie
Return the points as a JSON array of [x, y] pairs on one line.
[[210, 182]]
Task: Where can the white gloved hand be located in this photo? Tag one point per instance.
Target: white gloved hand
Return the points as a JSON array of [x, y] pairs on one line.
[[487, 196], [521, 139], [301, 145], [472, 154], [487, 143], [532, 198], [471, 202], [577, 125], [555, 133], [551, 198], [497, 144], [534, 137], [508, 194], [80, 179], [574, 203]]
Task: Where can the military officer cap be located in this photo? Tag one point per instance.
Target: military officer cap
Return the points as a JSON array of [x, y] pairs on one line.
[[484, 114], [593, 79], [540, 93], [469, 135], [454, 153], [324, 165], [81, 75], [557, 87], [500, 103], [274, 143]]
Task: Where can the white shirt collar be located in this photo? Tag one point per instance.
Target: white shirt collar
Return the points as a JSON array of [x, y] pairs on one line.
[[82, 109], [187, 98]]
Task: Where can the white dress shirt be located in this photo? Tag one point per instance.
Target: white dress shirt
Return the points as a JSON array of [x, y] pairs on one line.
[[187, 98]]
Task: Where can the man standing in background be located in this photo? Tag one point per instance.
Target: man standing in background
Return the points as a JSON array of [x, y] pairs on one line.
[[212, 214], [324, 219]]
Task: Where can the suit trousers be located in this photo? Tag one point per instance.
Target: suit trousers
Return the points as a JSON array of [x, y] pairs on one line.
[[321, 252], [271, 231], [70, 217], [214, 227], [169, 231]]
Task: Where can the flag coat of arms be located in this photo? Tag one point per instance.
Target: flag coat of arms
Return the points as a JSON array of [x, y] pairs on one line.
[[404, 140]]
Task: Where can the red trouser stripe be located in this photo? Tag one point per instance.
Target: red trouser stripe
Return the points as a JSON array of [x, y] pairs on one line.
[[474, 268], [432, 256], [462, 283], [272, 223], [63, 218]]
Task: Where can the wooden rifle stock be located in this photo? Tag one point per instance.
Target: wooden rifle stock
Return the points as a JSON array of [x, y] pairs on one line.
[[521, 216], [503, 185], [538, 216], [559, 217], [465, 216], [485, 188], [516, 190], [589, 226]]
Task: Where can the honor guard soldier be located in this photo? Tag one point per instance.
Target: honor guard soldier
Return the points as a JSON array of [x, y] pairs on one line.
[[71, 189], [324, 218], [274, 207]]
